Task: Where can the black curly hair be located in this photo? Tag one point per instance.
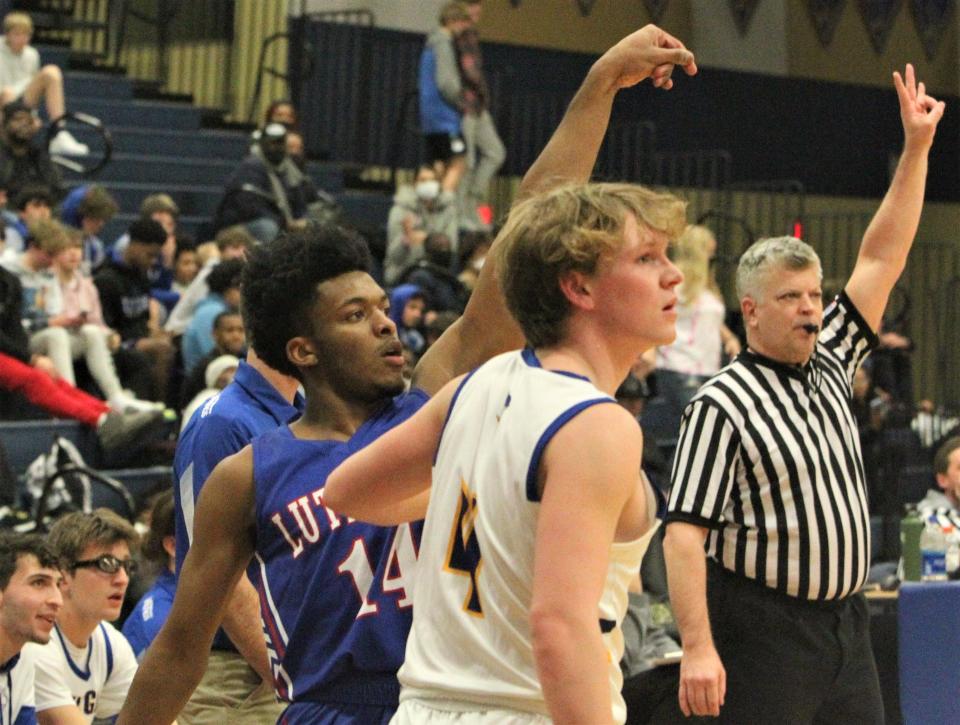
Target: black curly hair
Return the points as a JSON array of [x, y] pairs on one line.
[[225, 275], [280, 285]]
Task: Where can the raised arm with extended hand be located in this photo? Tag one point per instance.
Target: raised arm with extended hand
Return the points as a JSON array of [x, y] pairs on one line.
[[486, 327], [887, 241]]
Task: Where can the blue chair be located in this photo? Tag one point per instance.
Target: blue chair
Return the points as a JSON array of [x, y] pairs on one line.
[[929, 634]]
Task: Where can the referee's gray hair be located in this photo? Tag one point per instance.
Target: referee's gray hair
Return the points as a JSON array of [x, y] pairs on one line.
[[772, 253]]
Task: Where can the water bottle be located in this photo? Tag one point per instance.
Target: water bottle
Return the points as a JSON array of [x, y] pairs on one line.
[[953, 550], [911, 526], [933, 552]]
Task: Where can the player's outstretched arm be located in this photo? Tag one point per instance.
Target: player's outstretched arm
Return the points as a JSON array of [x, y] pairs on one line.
[[887, 241], [589, 475], [703, 680], [388, 482], [222, 547], [486, 327]]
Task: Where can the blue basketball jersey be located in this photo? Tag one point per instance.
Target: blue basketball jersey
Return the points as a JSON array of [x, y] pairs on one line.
[[335, 593]]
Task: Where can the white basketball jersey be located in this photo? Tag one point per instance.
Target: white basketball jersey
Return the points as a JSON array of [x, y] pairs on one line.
[[471, 642]]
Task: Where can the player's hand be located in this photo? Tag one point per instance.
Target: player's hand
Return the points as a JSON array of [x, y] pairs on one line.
[[647, 53], [919, 112], [703, 682]]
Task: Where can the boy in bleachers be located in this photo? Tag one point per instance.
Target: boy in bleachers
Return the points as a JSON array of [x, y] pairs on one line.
[[224, 296], [32, 204], [86, 668], [21, 77], [88, 208], [229, 338], [127, 305], [159, 547]]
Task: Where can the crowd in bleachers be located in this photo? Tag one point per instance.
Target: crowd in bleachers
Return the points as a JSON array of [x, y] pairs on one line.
[[138, 334]]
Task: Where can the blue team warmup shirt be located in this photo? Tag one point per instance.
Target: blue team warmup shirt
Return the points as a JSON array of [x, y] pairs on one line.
[[334, 593], [146, 619], [225, 424]]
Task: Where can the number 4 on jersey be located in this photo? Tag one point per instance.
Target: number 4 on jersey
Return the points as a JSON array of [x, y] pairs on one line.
[[463, 551]]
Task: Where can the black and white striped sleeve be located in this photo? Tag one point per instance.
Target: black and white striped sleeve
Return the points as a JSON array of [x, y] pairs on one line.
[[846, 335], [705, 467]]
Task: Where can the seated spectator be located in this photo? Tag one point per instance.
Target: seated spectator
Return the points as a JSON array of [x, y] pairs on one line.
[[432, 274], [22, 78], [32, 204], [407, 304], [163, 210], [76, 328], [418, 210], [436, 326], [474, 247], [159, 548], [35, 378], [85, 670], [185, 264], [267, 193], [224, 282], [218, 374], [127, 306], [88, 208], [229, 338], [231, 243], [946, 468], [22, 161], [441, 93], [282, 112]]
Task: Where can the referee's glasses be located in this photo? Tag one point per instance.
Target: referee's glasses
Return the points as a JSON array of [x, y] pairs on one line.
[[108, 564]]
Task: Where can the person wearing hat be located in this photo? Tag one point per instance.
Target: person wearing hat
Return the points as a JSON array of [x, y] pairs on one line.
[[267, 193], [22, 162], [218, 374]]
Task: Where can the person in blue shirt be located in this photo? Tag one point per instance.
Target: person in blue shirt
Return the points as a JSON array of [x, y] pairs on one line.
[[237, 684], [224, 282], [334, 593], [159, 547], [30, 601]]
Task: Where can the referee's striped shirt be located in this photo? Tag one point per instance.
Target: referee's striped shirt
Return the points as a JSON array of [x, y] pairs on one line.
[[769, 459]]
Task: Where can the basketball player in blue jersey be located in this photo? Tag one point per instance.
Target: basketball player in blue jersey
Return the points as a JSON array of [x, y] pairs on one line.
[[335, 593]]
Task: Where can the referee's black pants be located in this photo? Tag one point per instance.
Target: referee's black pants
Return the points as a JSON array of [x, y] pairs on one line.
[[790, 660]]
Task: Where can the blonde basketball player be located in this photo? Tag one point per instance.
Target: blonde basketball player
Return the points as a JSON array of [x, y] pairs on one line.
[[537, 516]]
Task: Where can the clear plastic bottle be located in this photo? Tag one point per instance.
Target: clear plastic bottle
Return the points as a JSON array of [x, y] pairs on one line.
[[933, 552], [953, 550]]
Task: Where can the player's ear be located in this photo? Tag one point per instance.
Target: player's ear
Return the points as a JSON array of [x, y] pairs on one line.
[[300, 352], [577, 288]]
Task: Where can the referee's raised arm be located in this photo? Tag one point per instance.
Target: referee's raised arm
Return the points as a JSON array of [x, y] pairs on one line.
[[887, 241]]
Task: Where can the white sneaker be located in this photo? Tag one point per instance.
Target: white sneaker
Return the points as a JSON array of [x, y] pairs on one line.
[[66, 145], [126, 403]]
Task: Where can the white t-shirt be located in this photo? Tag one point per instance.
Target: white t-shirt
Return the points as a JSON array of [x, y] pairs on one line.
[[16, 71], [95, 678], [16, 689]]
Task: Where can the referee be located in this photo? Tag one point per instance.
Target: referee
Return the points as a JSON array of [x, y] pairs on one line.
[[769, 479]]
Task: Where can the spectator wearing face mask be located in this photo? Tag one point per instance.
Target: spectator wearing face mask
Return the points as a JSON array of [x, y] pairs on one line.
[[426, 207]]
